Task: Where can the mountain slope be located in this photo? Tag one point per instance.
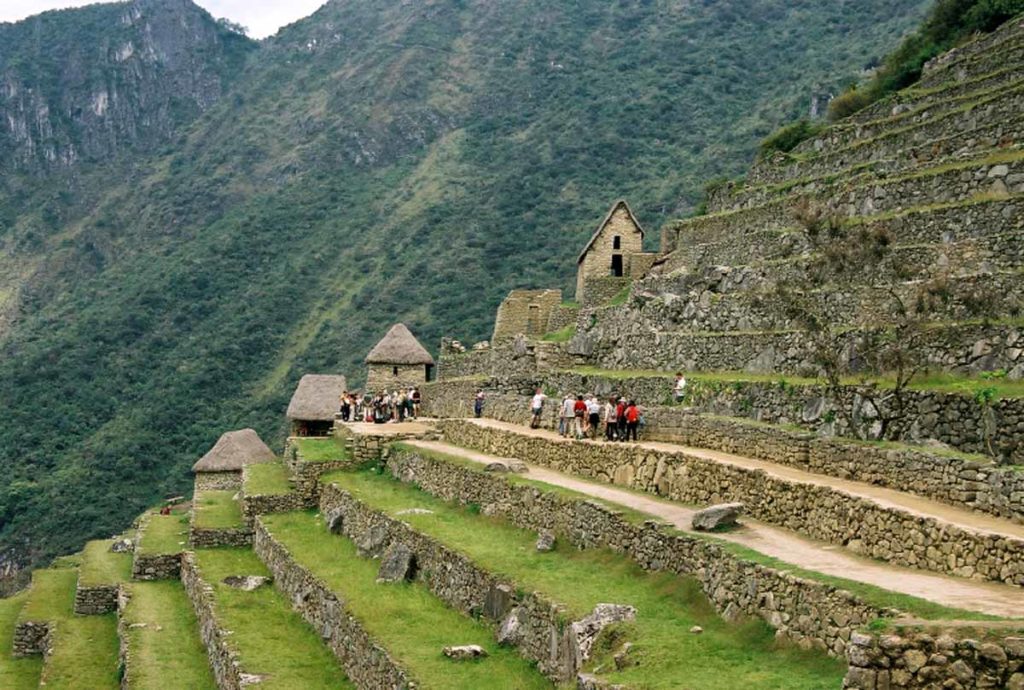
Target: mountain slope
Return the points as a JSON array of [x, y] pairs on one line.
[[373, 163]]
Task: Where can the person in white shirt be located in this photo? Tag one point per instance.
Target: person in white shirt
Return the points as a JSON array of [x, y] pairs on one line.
[[611, 420], [537, 407], [679, 391], [565, 418], [593, 416]]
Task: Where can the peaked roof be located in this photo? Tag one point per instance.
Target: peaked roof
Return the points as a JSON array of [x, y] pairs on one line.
[[317, 397], [597, 233], [234, 449], [399, 346]]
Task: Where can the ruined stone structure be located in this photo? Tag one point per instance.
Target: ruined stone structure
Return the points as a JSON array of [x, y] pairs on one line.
[[612, 258], [526, 312], [398, 361]]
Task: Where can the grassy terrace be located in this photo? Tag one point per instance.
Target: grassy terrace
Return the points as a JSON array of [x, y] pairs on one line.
[[101, 566], [321, 449], [668, 655], [15, 674], [163, 638], [85, 648], [217, 510], [939, 382], [406, 619], [272, 640], [266, 479], [877, 596], [164, 534]]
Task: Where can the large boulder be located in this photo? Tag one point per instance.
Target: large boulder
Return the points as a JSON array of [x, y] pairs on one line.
[[246, 583], [465, 652], [585, 631], [398, 565], [546, 541], [717, 517]]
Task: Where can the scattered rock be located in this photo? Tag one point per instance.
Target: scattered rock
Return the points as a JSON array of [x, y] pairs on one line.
[[335, 522], [122, 545], [250, 679], [464, 652], [717, 516], [246, 583], [496, 466], [510, 631], [482, 345], [621, 657], [518, 466], [588, 681], [498, 601], [415, 511], [399, 564], [136, 625], [545, 541], [696, 630], [585, 631], [372, 543]]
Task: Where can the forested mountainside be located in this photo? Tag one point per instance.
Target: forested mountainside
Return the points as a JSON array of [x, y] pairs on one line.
[[375, 162]]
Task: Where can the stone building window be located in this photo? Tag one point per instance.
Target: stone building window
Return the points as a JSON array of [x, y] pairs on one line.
[[617, 242], [394, 371]]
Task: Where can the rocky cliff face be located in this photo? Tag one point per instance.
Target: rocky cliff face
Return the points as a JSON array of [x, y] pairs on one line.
[[84, 85]]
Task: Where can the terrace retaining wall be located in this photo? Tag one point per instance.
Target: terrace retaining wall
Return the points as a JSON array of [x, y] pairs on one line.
[[224, 661]]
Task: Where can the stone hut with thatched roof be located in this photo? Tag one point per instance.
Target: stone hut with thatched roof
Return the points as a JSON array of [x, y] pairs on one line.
[[398, 361], [316, 400], [221, 467]]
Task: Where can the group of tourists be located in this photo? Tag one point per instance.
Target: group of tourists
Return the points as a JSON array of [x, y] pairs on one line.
[[382, 408], [585, 416]]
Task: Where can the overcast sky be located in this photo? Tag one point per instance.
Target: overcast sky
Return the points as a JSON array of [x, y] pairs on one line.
[[262, 17]]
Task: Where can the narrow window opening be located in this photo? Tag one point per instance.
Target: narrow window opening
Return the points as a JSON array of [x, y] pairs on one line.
[[394, 371], [617, 242]]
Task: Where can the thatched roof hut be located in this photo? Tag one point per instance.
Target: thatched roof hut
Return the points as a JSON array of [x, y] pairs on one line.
[[316, 397], [399, 346], [233, 450]]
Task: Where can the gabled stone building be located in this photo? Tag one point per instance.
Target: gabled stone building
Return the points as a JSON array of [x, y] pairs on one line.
[[613, 257], [398, 361]]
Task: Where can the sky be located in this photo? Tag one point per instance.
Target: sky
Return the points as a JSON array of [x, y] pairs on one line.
[[262, 17]]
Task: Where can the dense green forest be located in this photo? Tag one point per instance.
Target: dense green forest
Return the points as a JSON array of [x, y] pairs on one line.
[[375, 162]]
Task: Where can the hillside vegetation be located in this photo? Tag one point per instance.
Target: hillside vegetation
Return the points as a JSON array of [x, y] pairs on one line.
[[375, 162]]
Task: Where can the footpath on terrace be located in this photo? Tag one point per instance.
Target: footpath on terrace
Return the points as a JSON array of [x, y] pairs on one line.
[[802, 552]]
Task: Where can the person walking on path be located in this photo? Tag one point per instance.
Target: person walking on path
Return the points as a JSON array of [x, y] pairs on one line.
[[593, 417], [610, 420], [632, 420], [620, 416], [478, 404], [536, 408], [579, 415], [565, 415], [414, 402], [679, 389]]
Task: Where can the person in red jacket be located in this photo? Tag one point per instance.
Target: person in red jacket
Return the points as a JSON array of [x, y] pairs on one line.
[[632, 420], [620, 417], [579, 410]]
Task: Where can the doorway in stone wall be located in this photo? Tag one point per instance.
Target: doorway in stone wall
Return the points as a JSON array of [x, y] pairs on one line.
[[617, 265]]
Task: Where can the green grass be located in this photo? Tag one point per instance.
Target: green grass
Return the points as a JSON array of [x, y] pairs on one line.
[[321, 449], [406, 619], [271, 638], [163, 638], [876, 596], [15, 674], [266, 479], [101, 566], [85, 648], [164, 534], [217, 510], [619, 299], [725, 656], [563, 335]]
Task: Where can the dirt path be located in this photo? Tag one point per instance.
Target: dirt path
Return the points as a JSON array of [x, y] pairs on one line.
[[985, 597], [890, 498]]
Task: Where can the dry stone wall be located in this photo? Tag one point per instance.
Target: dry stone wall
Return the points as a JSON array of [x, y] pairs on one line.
[[225, 663], [809, 612], [913, 659], [366, 663], [218, 481], [819, 512], [543, 631], [202, 538], [527, 312], [96, 600], [31, 638], [261, 504], [161, 566]]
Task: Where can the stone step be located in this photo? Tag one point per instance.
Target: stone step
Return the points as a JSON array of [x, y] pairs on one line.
[[16, 673], [385, 635], [985, 232], [940, 140], [252, 636], [159, 543], [994, 176], [551, 497], [453, 546], [216, 520], [160, 639], [889, 525]]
